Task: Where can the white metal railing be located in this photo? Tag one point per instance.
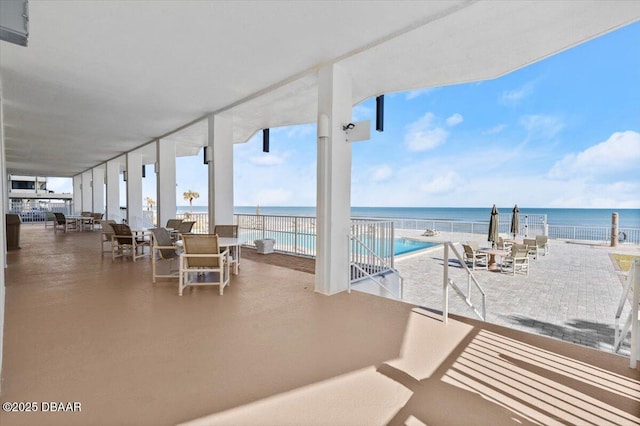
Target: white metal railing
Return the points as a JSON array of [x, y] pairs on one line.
[[372, 268], [293, 234], [448, 282], [530, 225], [594, 233], [202, 221], [632, 285]]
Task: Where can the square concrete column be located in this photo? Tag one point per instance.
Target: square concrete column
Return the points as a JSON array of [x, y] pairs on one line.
[[98, 189], [220, 146], [77, 194], [333, 182], [113, 191], [87, 193], [134, 190], [166, 169]]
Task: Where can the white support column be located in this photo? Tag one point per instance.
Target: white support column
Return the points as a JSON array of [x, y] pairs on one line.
[[4, 196], [87, 194], [134, 190], [166, 180], [220, 171], [333, 182], [113, 191], [98, 189], [77, 194]]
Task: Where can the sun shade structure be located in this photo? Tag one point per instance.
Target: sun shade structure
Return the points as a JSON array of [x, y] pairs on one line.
[[515, 221], [83, 92], [493, 226]]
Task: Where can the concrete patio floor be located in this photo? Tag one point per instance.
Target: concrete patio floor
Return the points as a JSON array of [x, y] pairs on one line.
[[271, 351], [570, 294]]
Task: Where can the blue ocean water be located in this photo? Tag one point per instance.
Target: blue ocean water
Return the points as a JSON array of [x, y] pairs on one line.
[[628, 218]]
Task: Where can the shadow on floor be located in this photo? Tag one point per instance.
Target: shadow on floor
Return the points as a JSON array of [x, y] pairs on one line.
[[587, 333]]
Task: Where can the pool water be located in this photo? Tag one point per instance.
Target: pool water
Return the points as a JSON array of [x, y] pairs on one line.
[[403, 245]]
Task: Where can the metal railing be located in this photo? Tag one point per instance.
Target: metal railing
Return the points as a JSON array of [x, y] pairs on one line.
[[448, 282], [631, 323], [600, 234], [374, 267], [293, 234], [530, 225]]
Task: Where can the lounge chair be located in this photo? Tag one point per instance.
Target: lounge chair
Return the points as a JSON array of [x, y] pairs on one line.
[[165, 255], [430, 233], [518, 260], [202, 263], [125, 244], [473, 256]]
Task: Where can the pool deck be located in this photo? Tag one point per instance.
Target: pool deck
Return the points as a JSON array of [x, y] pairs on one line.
[[571, 294]]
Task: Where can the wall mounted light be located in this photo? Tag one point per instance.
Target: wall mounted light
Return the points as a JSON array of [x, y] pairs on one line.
[[380, 113], [265, 140], [206, 155]]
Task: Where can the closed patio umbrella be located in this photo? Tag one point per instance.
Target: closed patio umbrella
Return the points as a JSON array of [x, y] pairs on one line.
[[515, 221], [493, 226]]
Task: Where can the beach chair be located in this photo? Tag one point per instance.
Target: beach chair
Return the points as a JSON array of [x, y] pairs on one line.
[[106, 233], [202, 263], [61, 222], [473, 256], [532, 247], [518, 260], [430, 233]]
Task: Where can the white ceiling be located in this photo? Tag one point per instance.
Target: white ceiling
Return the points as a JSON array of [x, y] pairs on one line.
[[100, 78]]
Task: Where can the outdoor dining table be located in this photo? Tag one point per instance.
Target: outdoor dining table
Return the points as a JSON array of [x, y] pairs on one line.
[[233, 244], [81, 221], [493, 265]]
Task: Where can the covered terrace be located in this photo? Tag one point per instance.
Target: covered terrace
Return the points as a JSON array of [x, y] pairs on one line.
[[102, 83]]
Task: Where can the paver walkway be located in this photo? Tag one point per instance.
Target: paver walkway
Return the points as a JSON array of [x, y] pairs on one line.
[[571, 294]]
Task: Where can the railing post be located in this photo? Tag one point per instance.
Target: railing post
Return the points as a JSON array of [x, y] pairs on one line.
[[445, 285], [634, 315], [295, 234]]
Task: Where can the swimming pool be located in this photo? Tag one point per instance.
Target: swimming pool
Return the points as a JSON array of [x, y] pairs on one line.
[[404, 245]]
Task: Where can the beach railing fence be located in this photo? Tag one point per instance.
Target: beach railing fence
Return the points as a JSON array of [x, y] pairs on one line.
[[293, 234], [530, 225]]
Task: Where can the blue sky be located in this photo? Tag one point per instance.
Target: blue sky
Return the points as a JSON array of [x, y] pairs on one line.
[[563, 132]]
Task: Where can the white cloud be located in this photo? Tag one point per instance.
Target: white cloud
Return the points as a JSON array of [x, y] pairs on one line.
[[60, 185], [541, 126], [362, 112], [494, 130], [424, 134], [454, 120], [512, 97], [442, 184], [412, 94], [268, 159], [618, 154], [381, 173]]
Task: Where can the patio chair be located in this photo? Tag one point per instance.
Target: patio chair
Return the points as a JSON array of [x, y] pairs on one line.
[[105, 234], [61, 222], [173, 223], [184, 227], [542, 243], [532, 247], [518, 260], [430, 233], [228, 231], [503, 245], [125, 244], [202, 263], [473, 256], [165, 255]]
